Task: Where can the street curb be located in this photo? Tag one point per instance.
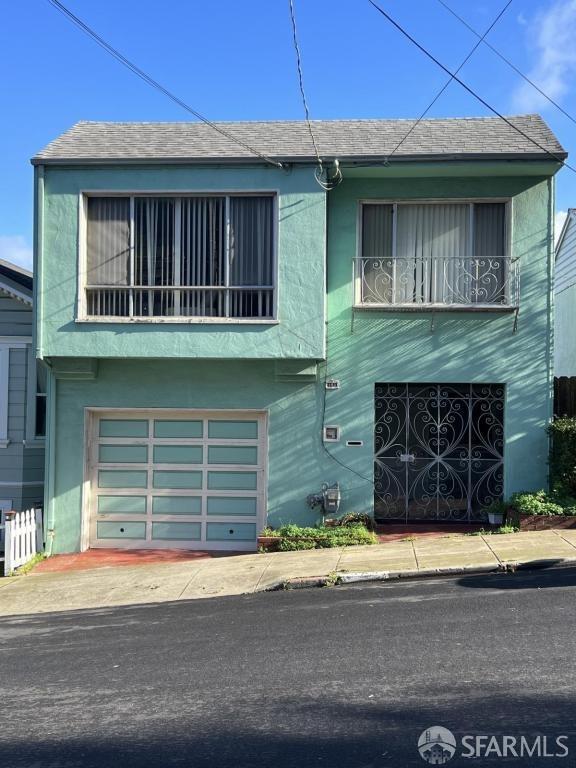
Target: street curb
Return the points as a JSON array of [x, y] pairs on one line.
[[343, 577], [353, 578]]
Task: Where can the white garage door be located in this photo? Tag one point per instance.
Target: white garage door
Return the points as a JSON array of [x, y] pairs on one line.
[[192, 480]]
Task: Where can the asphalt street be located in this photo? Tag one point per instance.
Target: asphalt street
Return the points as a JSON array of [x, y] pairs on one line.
[[345, 676]]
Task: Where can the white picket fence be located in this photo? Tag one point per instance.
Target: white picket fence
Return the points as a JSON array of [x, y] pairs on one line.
[[21, 537]]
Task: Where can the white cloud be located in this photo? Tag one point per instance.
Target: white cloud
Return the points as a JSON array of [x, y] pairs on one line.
[[552, 34], [559, 219], [15, 248], [521, 19]]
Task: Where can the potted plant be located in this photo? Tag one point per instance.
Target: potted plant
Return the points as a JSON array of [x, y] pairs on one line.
[[496, 512]]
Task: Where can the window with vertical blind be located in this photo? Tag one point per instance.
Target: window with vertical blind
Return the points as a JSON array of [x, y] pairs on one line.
[[182, 257], [435, 254]]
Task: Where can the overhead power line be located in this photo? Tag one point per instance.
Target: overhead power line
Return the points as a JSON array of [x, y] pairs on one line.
[[328, 183], [508, 62], [301, 81], [469, 89], [447, 83], [154, 83]]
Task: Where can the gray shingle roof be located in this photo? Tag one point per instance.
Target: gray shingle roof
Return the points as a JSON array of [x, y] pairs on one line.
[[290, 140]]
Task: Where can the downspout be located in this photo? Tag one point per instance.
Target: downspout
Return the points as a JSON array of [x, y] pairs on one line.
[[38, 267], [50, 460], [38, 342]]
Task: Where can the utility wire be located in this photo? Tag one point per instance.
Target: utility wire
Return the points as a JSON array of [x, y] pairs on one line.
[[507, 61], [328, 183], [447, 83], [301, 82], [469, 89], [154, 83]]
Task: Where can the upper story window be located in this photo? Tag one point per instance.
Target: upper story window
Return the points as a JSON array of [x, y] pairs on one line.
[[180, 257], [435, 254]]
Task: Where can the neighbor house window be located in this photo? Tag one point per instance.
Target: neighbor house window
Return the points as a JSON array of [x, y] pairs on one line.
[[435, 253], [154, 257]]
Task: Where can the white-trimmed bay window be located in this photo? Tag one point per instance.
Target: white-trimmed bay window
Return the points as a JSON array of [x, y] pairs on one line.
[[445, 254], [179, 257]]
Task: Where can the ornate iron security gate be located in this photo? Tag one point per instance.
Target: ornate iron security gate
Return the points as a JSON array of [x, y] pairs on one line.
[[438, 450]]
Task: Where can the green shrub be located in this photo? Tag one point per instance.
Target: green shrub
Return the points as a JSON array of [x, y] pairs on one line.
[[353, 518], [294, 537], [289, 545], [563, 456], [537, 503]]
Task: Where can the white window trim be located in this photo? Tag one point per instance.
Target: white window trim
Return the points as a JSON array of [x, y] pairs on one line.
[[6, 344], [81, 310], [4, 381], [395, 202], [32, 440]]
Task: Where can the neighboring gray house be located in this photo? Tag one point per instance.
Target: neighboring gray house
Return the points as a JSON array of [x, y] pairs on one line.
[[565, 299], [22, 395]]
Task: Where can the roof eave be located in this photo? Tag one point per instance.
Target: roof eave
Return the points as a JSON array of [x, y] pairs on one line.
[[557, 157]]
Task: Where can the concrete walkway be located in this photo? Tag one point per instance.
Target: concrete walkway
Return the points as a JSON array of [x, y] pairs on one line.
[[40, 592]]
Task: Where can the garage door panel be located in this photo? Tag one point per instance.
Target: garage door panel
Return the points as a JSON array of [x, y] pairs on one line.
[[232, 454], [178, 454], [177, 531], [127, 505], [175, 481], [232, 481], [223, 506], [123, 428], [114, 478], [122, 454], [177, 505], [230, 531], [239, 430], [121, 529], [178, 428]]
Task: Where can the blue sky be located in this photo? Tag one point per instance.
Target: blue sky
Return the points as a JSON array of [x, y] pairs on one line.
[[234, 61]]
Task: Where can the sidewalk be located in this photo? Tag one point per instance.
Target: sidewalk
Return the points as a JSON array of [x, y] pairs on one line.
[[50, 591]]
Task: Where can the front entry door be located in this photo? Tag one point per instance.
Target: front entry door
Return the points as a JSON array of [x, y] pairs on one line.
[[439, 451]]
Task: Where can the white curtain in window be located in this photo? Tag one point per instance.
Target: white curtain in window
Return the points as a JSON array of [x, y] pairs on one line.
[[377, 268], [432, 246]]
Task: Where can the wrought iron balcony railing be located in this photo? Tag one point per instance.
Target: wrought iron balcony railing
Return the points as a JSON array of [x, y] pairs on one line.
[[471, 282]]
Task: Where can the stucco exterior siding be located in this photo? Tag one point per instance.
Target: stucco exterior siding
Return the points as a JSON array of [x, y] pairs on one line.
[[362, 350], [301, 237], [295, 453], [461, 347]]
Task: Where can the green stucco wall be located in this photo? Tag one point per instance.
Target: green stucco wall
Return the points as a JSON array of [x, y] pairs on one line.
[[386, 347], [565, 332], [369, 348], [295, 453], [301, 258]]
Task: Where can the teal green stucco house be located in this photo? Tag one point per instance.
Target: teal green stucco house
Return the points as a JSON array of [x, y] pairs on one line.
[[224, 336]]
